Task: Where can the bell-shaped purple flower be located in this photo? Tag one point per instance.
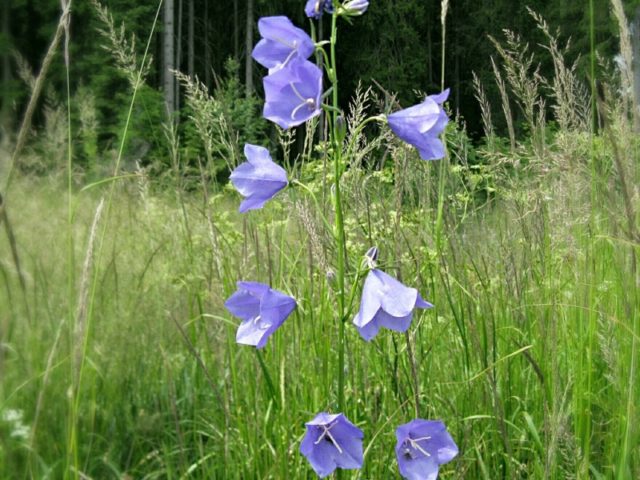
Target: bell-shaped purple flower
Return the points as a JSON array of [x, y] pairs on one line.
[[258, 179], [386, 303], [293, 94], [262, 310], [331, 442], [313, 8], [421, 124], [281, 42], [423, 445]]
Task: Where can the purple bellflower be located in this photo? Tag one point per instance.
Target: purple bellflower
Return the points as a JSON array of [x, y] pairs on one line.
[[421, 124], [261, 309], [314, 8], [293, 94], [331, 442], [423, 445], [259, 178], [386, 303], [281, 43]]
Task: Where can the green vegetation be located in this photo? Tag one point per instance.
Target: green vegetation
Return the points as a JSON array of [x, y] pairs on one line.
[[118, 359]]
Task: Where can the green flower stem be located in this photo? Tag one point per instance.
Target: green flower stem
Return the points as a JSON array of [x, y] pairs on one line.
[[339, 219]]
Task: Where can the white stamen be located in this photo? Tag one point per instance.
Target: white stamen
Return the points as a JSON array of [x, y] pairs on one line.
[[298, 94], [256, 320], [285, 43], [292, 54], [309, 102], [415, 445], [327, 433]]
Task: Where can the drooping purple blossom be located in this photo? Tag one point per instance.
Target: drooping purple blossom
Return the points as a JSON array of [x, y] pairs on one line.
[[258, 179], [281, 43], [423, 445], [293, 94], [331, 442], [421, 124], [313, 8], [262, 310], [386, 303]]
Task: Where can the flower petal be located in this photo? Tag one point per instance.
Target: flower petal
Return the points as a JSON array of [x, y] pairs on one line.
[[371, 300], [397, 324], [252, 332], [243, 305], [421, 124], [397, 299], [331, 442], [293, 94], [281, 42], [258, 179]]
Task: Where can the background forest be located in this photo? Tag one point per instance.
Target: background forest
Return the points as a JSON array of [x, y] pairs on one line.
[[121, 240], [398, 44]]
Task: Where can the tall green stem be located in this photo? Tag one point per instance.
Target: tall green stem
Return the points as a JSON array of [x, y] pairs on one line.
[[339, 220]]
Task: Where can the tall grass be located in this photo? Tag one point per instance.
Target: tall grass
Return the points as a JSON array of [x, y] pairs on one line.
[[529, 355]]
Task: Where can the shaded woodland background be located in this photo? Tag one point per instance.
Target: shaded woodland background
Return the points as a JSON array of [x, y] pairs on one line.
[[397, 44]]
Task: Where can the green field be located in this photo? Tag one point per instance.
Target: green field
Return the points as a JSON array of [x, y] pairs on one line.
[[119, 360]]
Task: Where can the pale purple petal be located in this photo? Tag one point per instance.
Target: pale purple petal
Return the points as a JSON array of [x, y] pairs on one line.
[[259, 178], [293, 94], [331, 442], [262, 309], [420, 125], [440, 98], [422, 446], [281, 42], [422, 303], [313, 8], [386, 303], [370, 301], [243, 305], [253, 203], [424, 468], [396, 299], [369, 331], [431, 149], [253, 332], [397, 324]]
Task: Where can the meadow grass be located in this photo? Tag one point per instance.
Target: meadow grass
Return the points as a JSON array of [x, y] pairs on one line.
[[118, 359], [526, 356]]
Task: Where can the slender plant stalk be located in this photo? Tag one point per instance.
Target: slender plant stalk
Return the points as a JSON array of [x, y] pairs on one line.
[[77, 380], [414, 374], [583, 399], [339, 220]]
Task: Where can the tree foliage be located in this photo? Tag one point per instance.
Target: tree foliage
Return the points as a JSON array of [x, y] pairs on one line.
[[397, 43]]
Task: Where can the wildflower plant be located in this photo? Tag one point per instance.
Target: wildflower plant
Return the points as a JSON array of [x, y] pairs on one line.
[[331, 442], [258, 179], [262, 310], [294, 94]]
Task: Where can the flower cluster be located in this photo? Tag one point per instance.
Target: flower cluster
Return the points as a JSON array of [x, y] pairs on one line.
[[293, 88], [332, 441], [293, 95]]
